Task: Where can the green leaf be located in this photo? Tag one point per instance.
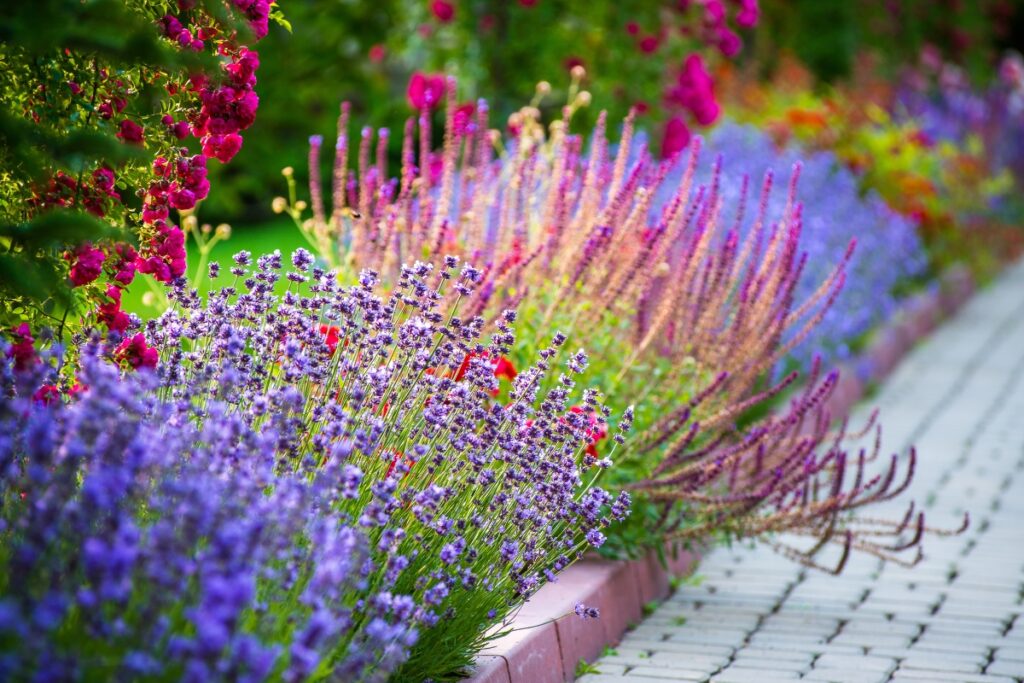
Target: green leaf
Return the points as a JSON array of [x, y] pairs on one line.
[[58, 228]]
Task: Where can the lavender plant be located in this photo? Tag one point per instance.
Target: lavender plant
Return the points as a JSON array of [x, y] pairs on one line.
[[469, 505], [145, 539]]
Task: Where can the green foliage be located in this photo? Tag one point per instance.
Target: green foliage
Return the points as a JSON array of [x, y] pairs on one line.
[[583, 667], [68, 86], [828, 35]]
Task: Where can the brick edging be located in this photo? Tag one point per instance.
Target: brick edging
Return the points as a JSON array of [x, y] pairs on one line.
[[550, 639]]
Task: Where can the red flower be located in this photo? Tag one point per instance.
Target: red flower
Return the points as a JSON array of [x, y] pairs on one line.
[[377, 53], [22, 351], [443, 10], [331, 336], [136, 353], [394, 463], [648, 44], [110, 314], [677, 137], [503, 368], [222, 147], [597, 430], [425, 92], [88, 265], [129, 131], [46, 394]]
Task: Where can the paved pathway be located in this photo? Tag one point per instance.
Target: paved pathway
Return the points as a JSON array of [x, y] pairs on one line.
[[958, 616]]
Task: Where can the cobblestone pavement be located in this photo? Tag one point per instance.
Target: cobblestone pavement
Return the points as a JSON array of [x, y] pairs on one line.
[[956, 616]]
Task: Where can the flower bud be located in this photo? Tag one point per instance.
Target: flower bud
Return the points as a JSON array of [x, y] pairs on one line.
[[279, 205]]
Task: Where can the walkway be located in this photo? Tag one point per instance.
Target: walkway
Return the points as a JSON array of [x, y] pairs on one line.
[[958, 616]]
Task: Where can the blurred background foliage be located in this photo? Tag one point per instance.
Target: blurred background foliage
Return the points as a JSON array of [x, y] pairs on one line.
[[365, 50]]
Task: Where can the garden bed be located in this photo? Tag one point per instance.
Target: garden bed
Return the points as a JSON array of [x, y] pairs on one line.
[[548, 640]]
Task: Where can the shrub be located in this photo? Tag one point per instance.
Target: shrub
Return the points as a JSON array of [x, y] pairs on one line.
[[96, 105]]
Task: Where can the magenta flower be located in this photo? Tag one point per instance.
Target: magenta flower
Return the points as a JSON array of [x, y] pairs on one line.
[[103, 178], [170, 26], [258, 14], [729, 43], [124, 267], [443, 10], [243, 68], [223, 148], [182, 199], [130, 132], [462, 119], [677, 137], [648, 44], [425, 91], [88, 265], [23, 350], [165, 259], [748, 15], [110, 313], [694, 90], [134, 352]]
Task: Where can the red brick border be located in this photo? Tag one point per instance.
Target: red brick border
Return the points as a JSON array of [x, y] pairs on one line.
[[550, 639]]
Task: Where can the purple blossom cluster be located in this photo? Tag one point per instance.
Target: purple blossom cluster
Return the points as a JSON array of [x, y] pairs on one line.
[[321, 481], [941, 101], [148, 539], [888, 257]]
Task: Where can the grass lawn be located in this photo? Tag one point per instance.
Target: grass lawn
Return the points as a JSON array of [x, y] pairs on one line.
[[259, 239]]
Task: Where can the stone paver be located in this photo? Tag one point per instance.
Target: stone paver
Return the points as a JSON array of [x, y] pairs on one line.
[[958, 616]]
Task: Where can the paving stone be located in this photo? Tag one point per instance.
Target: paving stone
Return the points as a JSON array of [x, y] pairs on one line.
[[1010, 652], [615, 678], [663, 674], [846, 676], [688, 647], [1006, 667], [915, 676], [737, 674], [868, 663], [871, 639], [611, 669], [941, 662]]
